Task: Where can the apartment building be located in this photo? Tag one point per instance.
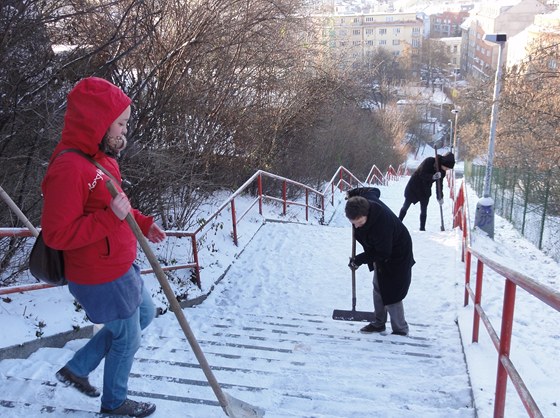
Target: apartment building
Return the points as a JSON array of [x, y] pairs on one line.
[[479, 58], [353, 37], [544, 30], [447, 24], [453, 49]]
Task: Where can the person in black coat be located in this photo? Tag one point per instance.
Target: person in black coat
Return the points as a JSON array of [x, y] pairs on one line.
[[388, 252], [419, 187]]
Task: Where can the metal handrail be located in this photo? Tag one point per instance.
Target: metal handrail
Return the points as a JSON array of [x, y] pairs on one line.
[[342, 180], [502, 342]]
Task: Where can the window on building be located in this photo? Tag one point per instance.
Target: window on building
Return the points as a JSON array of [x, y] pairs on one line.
[[370, 19], [396, 31], [369, 43], [454, 49], [383, 42], [416, 43], [356, 32], [383, 31], [356, 43], [389, 19], [396, 41], [369, 31], [356, 20], [415, 30]]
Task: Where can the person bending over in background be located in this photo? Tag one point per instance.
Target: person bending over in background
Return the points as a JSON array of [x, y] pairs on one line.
[[81, 218], [419, 187], [388, 253]]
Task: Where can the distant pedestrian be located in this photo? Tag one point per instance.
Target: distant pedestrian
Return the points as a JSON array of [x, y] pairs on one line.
[[81, 218], [388, 253], [419, 187]]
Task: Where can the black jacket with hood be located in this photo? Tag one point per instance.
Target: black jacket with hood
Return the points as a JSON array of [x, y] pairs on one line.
[[387, 246]]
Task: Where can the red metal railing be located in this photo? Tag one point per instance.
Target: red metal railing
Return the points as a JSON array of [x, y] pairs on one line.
[[342, 180], [501, 342]]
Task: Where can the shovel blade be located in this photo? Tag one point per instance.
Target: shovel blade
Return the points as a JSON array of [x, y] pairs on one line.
[[236, 408], [358, 316]]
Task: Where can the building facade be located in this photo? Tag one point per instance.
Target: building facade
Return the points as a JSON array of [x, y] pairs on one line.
[[447, 24], [479, 58], [354, 37]]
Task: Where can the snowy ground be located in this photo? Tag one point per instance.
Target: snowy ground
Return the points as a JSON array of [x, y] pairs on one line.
[[263, 282]]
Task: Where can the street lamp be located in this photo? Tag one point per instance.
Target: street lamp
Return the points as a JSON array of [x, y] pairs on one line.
[[454, 146], [484, 218], [450, 133]]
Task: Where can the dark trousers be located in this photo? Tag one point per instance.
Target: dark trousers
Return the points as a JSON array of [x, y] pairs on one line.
[[423, 211]]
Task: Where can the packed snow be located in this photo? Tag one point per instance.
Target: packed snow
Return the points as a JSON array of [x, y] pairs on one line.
[[277, 270]]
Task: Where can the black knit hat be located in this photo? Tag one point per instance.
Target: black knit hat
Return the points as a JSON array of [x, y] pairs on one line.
[[447, 160]]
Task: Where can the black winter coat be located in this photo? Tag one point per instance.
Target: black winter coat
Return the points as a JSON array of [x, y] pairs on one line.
[[386, 243], [419, 186]]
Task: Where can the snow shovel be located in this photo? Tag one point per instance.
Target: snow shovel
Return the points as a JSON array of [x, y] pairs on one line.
[[441, 185], [353, 315], [232, 407]]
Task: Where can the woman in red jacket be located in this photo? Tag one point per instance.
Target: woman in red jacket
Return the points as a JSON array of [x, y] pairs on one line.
[[81, 218]]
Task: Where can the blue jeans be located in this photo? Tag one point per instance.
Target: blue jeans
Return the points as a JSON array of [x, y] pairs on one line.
[[117, 342]]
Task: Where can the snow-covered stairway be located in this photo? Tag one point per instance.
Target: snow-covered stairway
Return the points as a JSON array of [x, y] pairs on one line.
[[267, 332], [297, 366]]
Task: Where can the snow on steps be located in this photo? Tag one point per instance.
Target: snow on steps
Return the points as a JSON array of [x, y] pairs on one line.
[[297, 366]]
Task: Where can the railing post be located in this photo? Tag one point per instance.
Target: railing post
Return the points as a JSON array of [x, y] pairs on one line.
[[332, 194], [195, 258], [323, 207], [284, 198], [306, 204], [467, 276], [477, 299], [340, 182], [505, 344], [234, 221], [260, 187]]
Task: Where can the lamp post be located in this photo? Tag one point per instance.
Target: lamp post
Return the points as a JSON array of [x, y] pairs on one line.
[[454, 146], [450, 134], [484, 218]]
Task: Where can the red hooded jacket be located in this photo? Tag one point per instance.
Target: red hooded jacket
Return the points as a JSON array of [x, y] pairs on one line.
[[98, 247]]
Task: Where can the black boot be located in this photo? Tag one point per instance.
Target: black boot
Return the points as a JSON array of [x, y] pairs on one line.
[[423, 222]]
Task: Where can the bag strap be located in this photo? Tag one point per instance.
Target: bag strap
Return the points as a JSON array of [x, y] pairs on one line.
[[91, 160]]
